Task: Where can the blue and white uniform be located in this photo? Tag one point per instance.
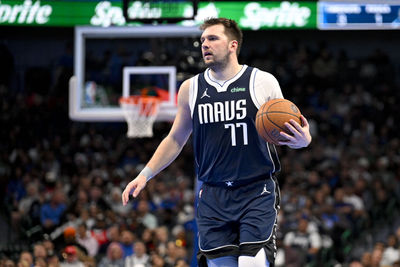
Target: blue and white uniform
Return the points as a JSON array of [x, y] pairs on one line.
[[239, 199]]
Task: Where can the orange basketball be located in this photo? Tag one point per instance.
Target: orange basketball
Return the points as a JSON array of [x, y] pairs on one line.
[[271, 118]]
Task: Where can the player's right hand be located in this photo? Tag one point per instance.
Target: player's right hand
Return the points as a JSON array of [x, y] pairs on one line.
[[134, 188]]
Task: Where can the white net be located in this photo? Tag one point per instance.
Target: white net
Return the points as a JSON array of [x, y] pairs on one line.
[[140, 114]]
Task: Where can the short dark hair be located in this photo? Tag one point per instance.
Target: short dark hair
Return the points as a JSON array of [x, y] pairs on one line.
[[232, 30]]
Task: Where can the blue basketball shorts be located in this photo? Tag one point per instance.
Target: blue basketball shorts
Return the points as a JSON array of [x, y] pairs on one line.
[[238, 220]]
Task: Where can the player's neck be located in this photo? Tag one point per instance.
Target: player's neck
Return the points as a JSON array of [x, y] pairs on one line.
[[226, 73]]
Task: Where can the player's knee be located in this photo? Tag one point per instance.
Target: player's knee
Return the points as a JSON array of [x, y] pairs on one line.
[[227, 261], [259, 260]]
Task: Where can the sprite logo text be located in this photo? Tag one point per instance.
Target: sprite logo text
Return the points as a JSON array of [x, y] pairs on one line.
[[286, 15], [25, 13]]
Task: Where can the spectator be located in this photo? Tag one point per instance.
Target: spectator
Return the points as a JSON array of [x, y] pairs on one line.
[[30, 197], [70, 239], [139, 258], [50, 248], [114, 201], [301, 246], [39, 251], [25, 259], [71, 258], [114, 256], [97, 198], [145, 216], [53, 261], [112, 235], [354, 200], [376, 255], [80, 203], [343, 210], [174, 253], [51, 213], [391, 253], [366, 259], [162, 237], [85, 239], [99, 230], [158, 261], [149, 240], [40, 262], [127, 239]]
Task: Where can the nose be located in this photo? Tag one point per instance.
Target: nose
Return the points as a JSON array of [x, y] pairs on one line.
[[204, 45]]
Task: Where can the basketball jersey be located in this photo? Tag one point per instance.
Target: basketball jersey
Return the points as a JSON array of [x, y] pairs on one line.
[[226, 144]]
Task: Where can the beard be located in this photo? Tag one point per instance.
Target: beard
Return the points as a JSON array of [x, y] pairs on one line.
[[218, 64]]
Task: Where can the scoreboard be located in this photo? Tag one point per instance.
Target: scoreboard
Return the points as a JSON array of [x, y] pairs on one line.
[[355, 15]]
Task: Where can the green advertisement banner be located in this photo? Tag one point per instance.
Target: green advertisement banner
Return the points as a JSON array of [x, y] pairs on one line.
[[250, 15]]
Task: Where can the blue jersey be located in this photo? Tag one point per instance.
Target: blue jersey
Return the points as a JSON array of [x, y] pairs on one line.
[[227, 147]]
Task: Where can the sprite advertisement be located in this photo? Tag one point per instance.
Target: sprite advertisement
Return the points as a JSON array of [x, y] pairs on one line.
[[250, 15]]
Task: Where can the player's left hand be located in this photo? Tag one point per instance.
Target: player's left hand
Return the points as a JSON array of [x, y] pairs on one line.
[[300, 136]]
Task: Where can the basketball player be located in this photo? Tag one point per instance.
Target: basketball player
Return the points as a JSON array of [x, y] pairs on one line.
[[239, 198]]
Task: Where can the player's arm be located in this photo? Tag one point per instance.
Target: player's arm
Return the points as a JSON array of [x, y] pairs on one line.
[[169, 148], [267, 88]]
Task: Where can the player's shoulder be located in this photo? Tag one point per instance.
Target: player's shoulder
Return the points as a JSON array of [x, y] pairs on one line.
[[263, 80], [186, 84], [262, 74]]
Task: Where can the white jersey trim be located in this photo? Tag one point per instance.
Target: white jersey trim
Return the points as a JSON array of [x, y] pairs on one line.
[[207, 250], [222, 86], [270, 157], [193, 89], [252, 89], [277, 158]]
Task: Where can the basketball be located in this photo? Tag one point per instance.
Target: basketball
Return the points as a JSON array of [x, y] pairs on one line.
[[271, 118]]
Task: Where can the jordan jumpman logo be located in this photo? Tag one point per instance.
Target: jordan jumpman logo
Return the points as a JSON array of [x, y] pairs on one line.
[[205, 94], [265, 190]]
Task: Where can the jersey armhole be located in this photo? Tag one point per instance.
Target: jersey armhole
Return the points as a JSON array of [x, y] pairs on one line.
[[252, 88], [193, 88]]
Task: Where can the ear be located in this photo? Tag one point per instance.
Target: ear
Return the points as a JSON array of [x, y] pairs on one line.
[[233, 45]]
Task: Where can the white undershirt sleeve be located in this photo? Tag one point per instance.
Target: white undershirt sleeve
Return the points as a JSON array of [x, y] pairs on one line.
[[266, 87]]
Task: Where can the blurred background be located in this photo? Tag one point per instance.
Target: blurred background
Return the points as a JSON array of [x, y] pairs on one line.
[[61, 180]]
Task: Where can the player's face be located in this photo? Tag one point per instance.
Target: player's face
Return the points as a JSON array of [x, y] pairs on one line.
[[215, 46]]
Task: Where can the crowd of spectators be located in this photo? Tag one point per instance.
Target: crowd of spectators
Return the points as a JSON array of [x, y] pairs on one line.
[[61, 180]]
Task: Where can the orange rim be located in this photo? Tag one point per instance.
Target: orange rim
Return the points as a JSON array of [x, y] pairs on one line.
[[145, 102], [134, 99]]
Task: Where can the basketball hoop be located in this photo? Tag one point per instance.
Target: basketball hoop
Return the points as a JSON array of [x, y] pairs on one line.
[[140, 113]]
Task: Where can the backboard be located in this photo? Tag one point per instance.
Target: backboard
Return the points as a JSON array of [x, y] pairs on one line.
[[95, 89]]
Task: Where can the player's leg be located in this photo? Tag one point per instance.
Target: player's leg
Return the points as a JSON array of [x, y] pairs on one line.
[[218, 229], [227, 261], [259, 260], [258, 225]]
